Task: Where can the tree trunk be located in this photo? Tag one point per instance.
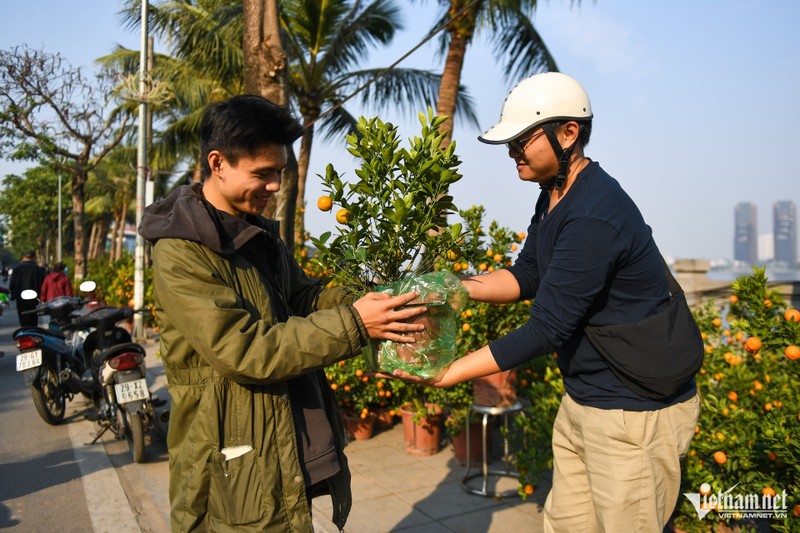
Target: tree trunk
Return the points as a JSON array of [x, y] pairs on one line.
[[302, 175], [112, 251], [197, 173], [265, 74], [78, 222], [120, 233], [287, 199], [48, 259], [448, 87], [460, 31], [100, 238], [264, 58], [92, 254]]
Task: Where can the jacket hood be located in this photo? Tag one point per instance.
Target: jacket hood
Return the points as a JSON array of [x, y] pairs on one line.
[[185, 214]]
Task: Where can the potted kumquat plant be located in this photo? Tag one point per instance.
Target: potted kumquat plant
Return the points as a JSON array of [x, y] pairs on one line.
[[392, 228]]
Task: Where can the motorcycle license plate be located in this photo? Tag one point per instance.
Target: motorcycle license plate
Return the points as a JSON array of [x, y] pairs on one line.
[[131, 391], [28, 360]]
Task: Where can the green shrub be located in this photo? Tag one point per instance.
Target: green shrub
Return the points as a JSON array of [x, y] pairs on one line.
[[749, 432], [115, 284]]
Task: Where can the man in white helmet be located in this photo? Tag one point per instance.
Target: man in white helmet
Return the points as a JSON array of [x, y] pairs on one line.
[[589, 259]]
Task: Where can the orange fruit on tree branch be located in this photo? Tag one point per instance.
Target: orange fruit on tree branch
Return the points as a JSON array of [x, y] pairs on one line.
[[324, 203], [733, 299], [792, 352], [752, 344], [720, 457], [792, 315], [343, 216]]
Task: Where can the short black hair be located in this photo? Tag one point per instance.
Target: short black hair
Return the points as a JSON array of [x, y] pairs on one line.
[[242, 125], [585, 132], [29, 254]]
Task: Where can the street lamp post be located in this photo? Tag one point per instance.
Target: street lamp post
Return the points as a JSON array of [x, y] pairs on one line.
[[58, 238], [141, 168]]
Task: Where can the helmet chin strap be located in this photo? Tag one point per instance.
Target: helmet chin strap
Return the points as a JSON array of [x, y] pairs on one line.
[[562, 154]]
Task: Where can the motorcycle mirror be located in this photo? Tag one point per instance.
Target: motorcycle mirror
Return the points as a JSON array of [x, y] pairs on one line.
[[88, 286], [28, 294]]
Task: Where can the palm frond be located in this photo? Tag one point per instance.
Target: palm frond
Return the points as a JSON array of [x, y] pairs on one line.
[[521, 49], [410, 90]]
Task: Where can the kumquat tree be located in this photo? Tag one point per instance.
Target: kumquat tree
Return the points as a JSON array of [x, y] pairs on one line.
[[748, 436], [747, 441], [391, 223]]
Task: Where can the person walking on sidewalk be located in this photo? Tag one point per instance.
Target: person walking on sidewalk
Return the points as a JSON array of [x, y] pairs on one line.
[[26, 275], [254, 431], [589, 259], [56, 283]]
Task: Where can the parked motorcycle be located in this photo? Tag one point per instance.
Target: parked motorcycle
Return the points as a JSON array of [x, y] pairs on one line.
[[51, 359], [83, 350], [122, 401]]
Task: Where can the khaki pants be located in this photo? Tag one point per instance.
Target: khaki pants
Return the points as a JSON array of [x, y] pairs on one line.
[[617, 471]]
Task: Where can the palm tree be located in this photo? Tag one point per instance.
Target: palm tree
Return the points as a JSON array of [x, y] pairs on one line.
[[204, 65], [324, 41], [516, 43], [112, 187]]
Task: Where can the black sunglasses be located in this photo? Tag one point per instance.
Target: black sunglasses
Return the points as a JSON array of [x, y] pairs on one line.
[[520, 145]]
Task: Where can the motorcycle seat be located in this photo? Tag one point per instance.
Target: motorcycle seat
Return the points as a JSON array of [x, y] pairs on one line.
[[41, 331], [114, 351]]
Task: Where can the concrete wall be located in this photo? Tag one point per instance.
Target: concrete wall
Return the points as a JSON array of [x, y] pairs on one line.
[[692, 274]]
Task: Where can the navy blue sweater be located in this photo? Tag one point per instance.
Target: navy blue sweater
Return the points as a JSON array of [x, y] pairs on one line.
[[591, 260]]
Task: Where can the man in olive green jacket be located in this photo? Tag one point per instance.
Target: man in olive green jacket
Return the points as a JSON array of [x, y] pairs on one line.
[[254, 431]]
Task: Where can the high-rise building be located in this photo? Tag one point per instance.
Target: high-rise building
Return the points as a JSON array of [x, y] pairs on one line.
[[784, 224], [745, 238]]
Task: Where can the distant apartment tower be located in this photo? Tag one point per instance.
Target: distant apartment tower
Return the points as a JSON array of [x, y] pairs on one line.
[[784, 224], [745, 238]]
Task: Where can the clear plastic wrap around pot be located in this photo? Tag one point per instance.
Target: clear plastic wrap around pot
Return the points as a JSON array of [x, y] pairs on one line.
[[434, 348]]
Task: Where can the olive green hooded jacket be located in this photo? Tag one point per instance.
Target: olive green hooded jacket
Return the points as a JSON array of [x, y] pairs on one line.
[[227, 360]]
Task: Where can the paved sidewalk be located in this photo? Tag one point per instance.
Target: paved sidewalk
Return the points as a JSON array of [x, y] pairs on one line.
[[396, 491]]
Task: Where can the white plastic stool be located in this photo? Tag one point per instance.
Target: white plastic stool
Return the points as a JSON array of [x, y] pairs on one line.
[[486, 412]]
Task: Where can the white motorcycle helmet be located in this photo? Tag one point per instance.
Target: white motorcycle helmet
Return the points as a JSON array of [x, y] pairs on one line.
[[541, 98]]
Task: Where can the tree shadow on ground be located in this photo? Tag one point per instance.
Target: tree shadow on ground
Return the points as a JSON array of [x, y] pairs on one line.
[[453, 508]]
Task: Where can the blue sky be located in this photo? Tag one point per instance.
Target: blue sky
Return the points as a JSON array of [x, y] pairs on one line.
[[696, 104]]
